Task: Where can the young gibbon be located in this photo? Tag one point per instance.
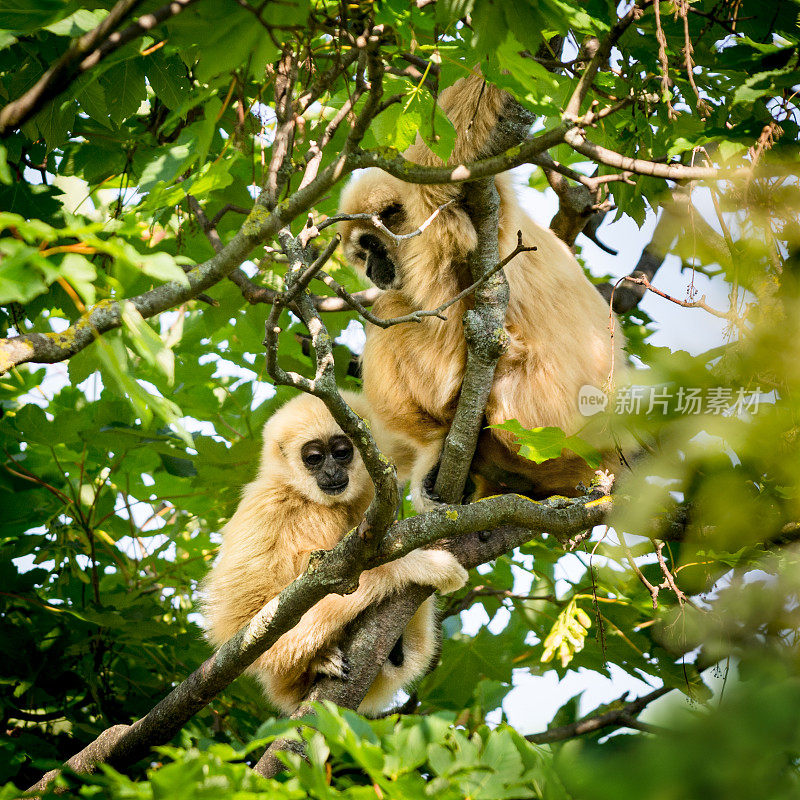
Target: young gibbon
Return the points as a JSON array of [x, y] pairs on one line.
[[557, 323], [311, 489]]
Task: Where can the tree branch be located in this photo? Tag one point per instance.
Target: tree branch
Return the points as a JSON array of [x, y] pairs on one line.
[[601, 56], [375, 632], [259, 226], [622, 717], [486, 339], [576, 139]]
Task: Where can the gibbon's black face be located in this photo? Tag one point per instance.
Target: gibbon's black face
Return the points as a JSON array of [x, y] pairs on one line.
[[329, 462], [379, 265]]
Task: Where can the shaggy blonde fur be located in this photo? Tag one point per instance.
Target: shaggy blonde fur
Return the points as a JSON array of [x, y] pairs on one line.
[[284, 516], [557, 322]]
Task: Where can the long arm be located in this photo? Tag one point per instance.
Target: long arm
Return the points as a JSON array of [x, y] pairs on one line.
[[321, 624]]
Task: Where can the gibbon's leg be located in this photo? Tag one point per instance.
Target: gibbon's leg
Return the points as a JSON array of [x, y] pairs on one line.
[[320, 625], [419, 644]]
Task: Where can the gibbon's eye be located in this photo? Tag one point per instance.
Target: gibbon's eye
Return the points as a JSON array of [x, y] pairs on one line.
[[341, 449], [392, 214], [312, 454]]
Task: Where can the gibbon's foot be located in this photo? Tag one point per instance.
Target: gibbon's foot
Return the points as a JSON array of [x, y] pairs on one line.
[[332, 662], [424, 497], [396, 656], [429, 485]]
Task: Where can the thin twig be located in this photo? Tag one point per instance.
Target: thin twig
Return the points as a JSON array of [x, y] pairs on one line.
[[624, 717], [639, 574], [418, 316], [701, 303], [376, 221]]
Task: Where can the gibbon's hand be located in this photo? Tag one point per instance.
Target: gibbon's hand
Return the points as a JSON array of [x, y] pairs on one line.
[[333, 662], [423, 478], [437, 568]]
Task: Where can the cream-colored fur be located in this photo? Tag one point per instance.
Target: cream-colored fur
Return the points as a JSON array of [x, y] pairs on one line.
[[283, 516], [557, 322]]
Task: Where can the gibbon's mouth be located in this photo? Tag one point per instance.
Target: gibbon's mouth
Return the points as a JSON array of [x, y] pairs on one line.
[[334, 488]]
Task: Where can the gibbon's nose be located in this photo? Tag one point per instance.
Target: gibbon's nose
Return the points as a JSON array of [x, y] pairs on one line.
[[371, 243], [333, 481]]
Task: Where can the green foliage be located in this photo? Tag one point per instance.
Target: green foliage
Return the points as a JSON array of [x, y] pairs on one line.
[[541, 444], [119, 468]]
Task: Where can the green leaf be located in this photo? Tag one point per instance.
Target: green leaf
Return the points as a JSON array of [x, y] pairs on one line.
[[439, 136], [489, 25], [147, 342], [114, 362], [232, 46], [82, 21], [166, 166], [396, 128], [24, 15], [24, 274], [92, 100], [211, 178], [124, 88], [167, 76], [80, 272], [542, 444], [5, 170], [763, 84], [54, 121], [6, 39], [163, 267]]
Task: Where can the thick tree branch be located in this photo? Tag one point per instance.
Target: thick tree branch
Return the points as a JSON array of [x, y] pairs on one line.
[[389, 160], [260, 226], [375, 632], [486, 339], [372, 638]]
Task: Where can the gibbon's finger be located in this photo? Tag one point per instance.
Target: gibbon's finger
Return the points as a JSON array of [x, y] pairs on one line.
[[332, 662]]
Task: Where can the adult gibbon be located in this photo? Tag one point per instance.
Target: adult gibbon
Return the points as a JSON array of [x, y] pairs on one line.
[[311, 489], [557, 322]]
